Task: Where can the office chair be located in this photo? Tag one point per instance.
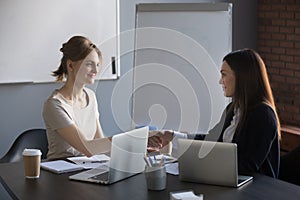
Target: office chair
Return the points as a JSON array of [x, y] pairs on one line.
[[290, 166], [33, 138]]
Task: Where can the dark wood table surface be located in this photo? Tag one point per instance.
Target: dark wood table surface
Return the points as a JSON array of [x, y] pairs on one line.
[[53, 186]]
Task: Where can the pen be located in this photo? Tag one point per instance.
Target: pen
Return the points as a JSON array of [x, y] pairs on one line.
[[151, 162], [162, 160], [147, 161], [95, 161], [155, 159]]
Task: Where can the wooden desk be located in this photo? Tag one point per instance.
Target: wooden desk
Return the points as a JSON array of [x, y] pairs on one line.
[[290, 138], [52, 186]]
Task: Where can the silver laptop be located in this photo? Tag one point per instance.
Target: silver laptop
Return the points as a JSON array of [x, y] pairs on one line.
[[210, 163], [126, 159]]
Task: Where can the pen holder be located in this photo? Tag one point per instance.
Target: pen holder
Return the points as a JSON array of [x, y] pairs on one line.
[[156, 177]]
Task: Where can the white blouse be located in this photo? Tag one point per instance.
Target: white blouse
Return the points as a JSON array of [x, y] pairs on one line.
[[230, 130]]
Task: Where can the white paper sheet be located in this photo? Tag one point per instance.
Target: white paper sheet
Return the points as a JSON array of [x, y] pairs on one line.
[[172, 168], [90, 162]]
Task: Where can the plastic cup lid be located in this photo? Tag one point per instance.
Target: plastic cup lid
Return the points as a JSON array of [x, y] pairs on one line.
[[32, 152]]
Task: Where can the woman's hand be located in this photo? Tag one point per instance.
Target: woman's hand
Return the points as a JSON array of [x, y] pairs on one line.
[[155, 143], [158, 139]]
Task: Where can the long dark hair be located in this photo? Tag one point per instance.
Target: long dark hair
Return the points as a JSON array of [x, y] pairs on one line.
[[252, 83], [75, 49]]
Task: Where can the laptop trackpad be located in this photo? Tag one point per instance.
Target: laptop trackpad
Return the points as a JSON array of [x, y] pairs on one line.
[[101, 177]]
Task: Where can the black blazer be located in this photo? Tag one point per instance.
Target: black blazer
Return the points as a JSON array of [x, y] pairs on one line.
[[257, 140]]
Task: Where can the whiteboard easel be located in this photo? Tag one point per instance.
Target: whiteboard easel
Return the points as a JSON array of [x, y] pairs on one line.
[[178, 54]]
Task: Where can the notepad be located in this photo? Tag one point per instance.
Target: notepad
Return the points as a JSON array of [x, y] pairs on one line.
[[90, 162], [172, 168], [185, 195], [60, 166]]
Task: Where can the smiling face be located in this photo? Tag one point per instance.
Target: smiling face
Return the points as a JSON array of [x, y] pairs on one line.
[[88, 69], [227, 80]]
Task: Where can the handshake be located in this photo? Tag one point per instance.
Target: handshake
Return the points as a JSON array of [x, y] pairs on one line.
[[159, 140]]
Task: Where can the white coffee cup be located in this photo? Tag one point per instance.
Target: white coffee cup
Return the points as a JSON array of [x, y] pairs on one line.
[[32, 160]]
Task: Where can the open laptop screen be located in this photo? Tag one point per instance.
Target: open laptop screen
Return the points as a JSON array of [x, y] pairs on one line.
[[208, 162]]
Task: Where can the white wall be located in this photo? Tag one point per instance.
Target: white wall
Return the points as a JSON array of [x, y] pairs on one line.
[[24, 27], [21, 104]]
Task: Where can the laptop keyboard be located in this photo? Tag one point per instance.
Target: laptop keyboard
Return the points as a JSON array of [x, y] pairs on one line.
[[240, 180], [96, 171]]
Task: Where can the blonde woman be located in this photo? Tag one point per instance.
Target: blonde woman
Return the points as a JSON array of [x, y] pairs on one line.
[[71, 112]]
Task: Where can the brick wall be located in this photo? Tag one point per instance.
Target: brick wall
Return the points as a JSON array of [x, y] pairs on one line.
[[279, 46]]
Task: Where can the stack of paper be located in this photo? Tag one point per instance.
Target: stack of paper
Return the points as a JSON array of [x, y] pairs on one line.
[[60, 166], [90, 162], [172, 168], [77, 163], [168, 159], [185, 195]]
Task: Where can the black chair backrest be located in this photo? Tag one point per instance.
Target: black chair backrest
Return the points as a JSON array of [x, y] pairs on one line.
[[33, 138], [290, 166]]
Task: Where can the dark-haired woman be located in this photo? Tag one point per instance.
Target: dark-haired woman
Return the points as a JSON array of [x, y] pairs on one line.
[[250, 120], [71, 113]]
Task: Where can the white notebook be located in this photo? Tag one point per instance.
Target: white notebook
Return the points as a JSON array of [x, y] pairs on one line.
[[188, 195], [60, 166]]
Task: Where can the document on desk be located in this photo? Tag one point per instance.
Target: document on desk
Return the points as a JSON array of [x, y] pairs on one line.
[[190, 195], [60, 166], [167, 159], [172, 168], [90, 162]]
